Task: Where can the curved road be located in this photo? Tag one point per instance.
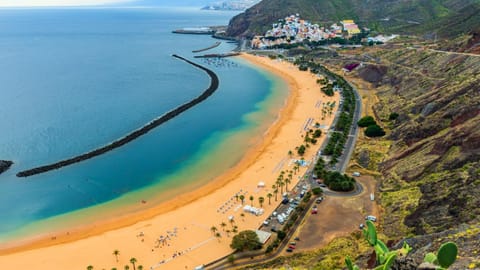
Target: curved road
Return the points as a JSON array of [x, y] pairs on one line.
[[342, 164]]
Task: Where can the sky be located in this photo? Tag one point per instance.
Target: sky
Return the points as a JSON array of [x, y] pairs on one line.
[[66, 3]]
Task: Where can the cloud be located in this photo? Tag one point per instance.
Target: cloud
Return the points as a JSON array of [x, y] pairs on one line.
[[58, 3]]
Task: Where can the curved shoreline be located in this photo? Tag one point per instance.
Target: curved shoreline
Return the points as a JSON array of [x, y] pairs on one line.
[[214, 82], [191, 210]]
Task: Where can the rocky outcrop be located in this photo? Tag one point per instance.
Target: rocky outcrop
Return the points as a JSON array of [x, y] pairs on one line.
[[435, 140], [4, 165], [214, 82]]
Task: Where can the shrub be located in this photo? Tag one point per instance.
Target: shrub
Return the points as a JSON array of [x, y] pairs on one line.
[[393, 116], [317, 191], [246, 240], [374, 131], [366, 121], [281, 235], [301, 150]]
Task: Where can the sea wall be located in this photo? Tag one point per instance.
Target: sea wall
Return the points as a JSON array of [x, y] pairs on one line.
[[214, 82]]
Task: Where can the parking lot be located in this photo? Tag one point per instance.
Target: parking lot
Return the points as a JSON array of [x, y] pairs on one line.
[[337, 216], [286, 208]]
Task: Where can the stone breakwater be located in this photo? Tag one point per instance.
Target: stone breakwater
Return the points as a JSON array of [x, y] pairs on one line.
[[214, 82], [4, 165]]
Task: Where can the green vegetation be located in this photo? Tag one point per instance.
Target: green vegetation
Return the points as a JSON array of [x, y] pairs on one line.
[[393, 116], [301, 150], [338, 182], [374, 131], [334, 180], [246, 240], [328, 90], [366, 121], [446, 256], [317, 191], [385, 258]]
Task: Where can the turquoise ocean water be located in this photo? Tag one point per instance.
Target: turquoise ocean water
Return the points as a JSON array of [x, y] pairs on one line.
[[72, 80]]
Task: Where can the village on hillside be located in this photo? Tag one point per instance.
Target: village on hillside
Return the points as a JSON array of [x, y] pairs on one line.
[[294, 30]]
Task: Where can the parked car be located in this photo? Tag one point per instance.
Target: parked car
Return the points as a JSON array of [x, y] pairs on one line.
[[292, 246], [289, 250], [273, 229], [265, 222], [319, 200], [371, 218], [361, 226], [285, 200], [323, 185], [293, 243]]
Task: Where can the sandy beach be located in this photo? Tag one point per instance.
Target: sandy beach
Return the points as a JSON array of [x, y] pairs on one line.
[[177, 234]]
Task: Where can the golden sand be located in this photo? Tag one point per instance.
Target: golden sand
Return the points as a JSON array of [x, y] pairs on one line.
[[177, 234]]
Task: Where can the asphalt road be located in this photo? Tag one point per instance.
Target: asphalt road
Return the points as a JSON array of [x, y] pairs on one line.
[[340, 166]]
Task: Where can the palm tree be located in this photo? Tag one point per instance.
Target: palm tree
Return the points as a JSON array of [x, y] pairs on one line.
[[288, 180], [228, 233], [261, 200], [251, 199], [281, 184], [269, 196], [126, 267], [236, 197], [223, 224], [116, 253], [275, 191], [140, 267], [235, 229], [213, 229], [296, 168], [242, 198], [90, 267], [232, 221], [242, 215], [114, 268], [218, 235], [290, 153], [133, 261]]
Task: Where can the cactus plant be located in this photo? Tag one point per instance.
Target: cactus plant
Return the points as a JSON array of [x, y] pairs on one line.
[[447, 254], [370, 233], [350, 265]]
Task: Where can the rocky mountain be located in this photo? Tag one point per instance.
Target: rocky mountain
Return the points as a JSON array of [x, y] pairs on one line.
[[435, 18], [434, 158]]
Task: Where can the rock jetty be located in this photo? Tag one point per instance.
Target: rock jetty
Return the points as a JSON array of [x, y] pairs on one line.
[[4, 165], [214, 82]]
